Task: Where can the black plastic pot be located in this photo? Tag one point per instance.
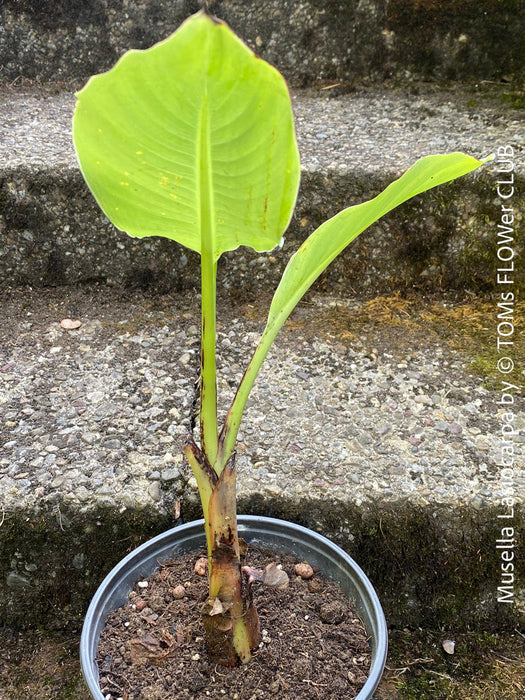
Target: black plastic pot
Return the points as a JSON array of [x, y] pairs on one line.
[[275, 534]]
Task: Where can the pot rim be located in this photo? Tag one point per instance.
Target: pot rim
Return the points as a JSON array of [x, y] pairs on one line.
[[289, 537]]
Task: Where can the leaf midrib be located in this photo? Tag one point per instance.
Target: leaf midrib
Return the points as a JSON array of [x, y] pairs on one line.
[[205, 191]]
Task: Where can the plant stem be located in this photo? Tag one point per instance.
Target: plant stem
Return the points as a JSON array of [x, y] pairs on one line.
[[230, 621], [208, 408], [206, 479], [232, 627], [208, 411]]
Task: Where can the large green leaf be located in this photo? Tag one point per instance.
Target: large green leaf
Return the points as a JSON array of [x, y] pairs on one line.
[[193, 140]]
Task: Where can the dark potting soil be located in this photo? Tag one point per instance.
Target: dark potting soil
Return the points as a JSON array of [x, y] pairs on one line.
[[314, 646]]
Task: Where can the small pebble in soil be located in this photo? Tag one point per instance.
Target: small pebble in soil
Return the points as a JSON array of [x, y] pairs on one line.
[[314, 585], [332, 613], [179, 592], [201, 566], [304, 570]]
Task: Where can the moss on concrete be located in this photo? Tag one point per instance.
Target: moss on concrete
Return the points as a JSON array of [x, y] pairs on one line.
[[444, 38], [484, 666], [443, 240], [52, 561], [310, 40], [41, 665], [398, 322]]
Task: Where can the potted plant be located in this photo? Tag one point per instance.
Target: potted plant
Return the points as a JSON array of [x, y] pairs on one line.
[[194, 140]]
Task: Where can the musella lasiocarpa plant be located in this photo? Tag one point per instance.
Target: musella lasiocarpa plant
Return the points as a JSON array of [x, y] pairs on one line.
[[193, 140]]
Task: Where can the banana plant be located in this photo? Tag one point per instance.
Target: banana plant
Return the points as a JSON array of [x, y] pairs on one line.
[[193, 139]]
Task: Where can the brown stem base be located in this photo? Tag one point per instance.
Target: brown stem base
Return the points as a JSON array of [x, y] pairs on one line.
[[229, 617], [221, 640]]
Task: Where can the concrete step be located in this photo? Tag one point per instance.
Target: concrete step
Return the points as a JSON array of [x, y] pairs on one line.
[[310, 41], [367, 424], [351, 147]]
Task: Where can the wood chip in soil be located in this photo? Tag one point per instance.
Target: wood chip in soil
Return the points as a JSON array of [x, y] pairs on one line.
[[314, 646]]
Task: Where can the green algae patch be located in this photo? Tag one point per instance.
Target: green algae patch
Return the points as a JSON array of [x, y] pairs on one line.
[[53, 561]]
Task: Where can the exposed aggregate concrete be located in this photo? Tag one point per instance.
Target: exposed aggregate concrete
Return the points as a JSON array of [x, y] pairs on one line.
[[310, 40], [383, 441], [344, 133], [97, 416]]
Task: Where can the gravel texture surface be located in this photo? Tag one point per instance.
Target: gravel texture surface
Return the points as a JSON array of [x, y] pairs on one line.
[[352, 146], [309, 40], [97, 415], [345, 133]]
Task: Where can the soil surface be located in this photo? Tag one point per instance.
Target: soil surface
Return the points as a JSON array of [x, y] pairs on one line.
[[44, 665], [313, 645]]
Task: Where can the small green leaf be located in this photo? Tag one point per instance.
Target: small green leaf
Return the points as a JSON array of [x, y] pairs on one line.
[[325, 244], [318, 251], [191, 139]]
